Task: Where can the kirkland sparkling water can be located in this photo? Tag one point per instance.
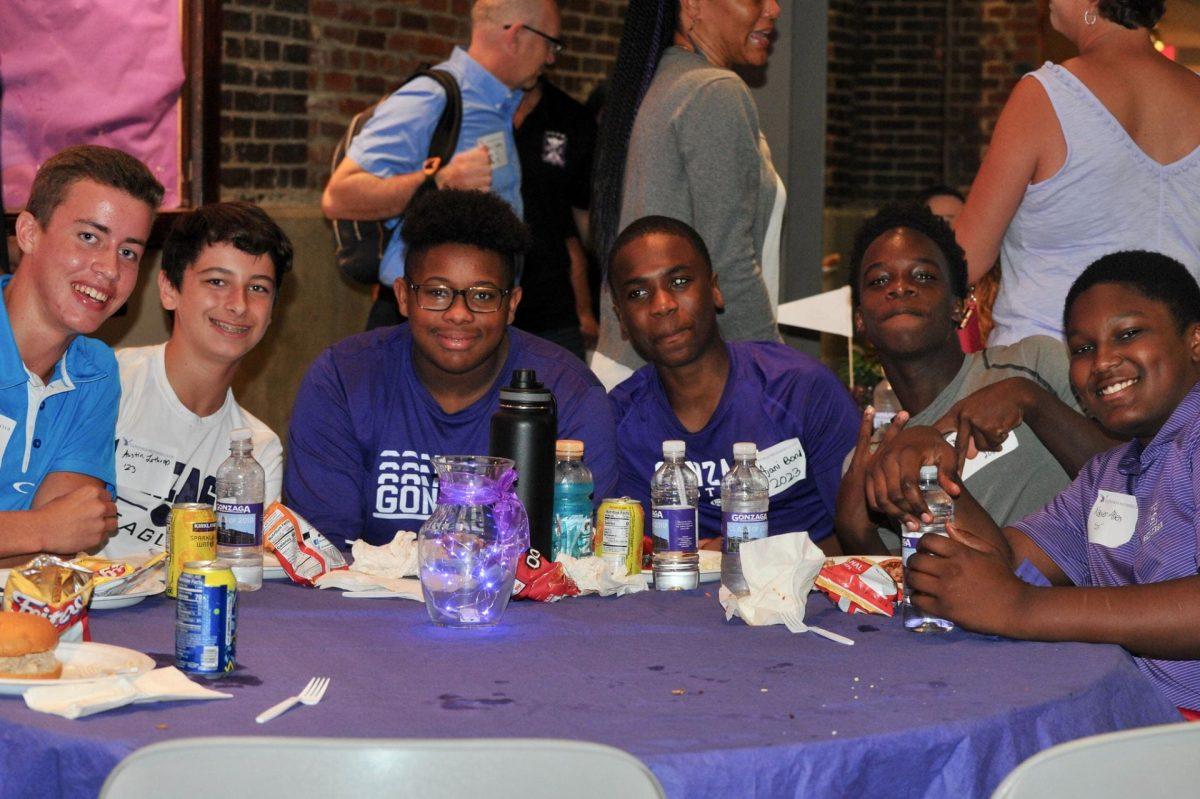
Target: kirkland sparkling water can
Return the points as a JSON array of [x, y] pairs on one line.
[[206, 619], [191, 535]]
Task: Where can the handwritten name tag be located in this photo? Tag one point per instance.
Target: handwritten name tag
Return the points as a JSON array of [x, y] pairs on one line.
[[496, 147], [1113, 519], [144, 468], [982, 457], [6, 430], [785, 464]]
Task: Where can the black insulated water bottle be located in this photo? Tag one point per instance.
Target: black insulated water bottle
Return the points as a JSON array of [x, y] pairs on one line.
[[525, 429]]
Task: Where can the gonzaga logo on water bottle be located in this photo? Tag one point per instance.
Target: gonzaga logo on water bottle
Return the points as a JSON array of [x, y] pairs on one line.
[[742, 527]]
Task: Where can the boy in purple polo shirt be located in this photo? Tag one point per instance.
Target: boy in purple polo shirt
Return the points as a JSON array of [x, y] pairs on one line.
[[376, 407], [711, 394], [1119, 547]]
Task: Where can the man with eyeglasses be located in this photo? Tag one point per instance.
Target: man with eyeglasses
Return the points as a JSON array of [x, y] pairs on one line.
[[375, 408], [512, 42]]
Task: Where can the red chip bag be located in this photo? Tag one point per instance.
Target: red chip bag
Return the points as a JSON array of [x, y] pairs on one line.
[[540, 580], [858, 586]]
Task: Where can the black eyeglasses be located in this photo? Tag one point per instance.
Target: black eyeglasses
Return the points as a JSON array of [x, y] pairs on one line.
[[556, 45], [480, 299]]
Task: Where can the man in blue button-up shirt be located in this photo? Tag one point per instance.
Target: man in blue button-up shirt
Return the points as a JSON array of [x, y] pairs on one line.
[[512, 42], [82, 236]]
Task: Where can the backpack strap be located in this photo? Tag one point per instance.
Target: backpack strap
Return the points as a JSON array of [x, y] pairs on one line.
[[445, 135]]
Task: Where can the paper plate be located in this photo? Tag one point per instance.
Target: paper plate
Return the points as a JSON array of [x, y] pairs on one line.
[[271, 568], [84, 662], [125, 600]]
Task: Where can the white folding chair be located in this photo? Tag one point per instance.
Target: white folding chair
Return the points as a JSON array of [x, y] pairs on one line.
[[1162, 761], [328, 768]]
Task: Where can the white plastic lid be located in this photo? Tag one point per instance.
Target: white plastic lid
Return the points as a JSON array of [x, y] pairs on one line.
[[928, 472], [674, 449], [745, 449], [568, 446], [240, 434]]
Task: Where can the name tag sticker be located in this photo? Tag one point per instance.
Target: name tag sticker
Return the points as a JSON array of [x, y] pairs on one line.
[[1113, 519], [497, 149], [983, 458], [143, 468], [785, 464], [6, 430]]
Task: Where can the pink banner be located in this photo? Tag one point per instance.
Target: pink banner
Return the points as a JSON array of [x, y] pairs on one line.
[[89, 72]]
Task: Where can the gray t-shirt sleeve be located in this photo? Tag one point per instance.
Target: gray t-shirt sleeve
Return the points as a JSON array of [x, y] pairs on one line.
[[1047, 359]]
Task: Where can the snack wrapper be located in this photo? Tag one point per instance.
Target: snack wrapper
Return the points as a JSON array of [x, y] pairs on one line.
[[52, 587], [303, 552], [112, 577], [540, 580], [857, 585]]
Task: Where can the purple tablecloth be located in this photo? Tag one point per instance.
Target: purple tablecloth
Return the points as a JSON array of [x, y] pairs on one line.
[[762, 712]]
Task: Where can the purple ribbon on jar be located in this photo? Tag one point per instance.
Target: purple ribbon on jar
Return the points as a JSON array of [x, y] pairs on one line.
[[512, 524]]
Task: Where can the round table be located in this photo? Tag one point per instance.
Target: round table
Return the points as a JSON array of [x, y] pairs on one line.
[[714, 708]]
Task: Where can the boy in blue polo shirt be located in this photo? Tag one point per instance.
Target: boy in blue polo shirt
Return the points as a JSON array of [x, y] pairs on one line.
[[81, 236], [1119, 547]]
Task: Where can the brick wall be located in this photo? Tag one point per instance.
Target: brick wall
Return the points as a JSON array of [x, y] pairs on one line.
[[915, 88], [914, 85], [295, 71]]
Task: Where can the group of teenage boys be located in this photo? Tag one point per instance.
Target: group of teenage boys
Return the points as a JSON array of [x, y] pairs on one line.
[[1069, 525]]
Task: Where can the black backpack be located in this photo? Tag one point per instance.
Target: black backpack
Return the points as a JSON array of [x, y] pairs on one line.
[[359, 246]]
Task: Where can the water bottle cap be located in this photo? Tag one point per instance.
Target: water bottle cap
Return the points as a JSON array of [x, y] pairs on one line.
[[928, 472], [568, 446], [744, 449], [674, 449], [240, 434], [525, 388]]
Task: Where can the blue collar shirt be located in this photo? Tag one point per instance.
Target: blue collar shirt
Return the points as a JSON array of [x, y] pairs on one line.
[[67, 424], [395, 140]]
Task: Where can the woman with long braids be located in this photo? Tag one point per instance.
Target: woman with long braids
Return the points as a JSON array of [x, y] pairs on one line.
[[680, 138]]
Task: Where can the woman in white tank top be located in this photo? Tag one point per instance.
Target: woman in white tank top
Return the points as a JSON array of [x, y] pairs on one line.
[[1097, 155]]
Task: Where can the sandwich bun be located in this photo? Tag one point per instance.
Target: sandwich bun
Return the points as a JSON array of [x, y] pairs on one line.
[[27, 643]]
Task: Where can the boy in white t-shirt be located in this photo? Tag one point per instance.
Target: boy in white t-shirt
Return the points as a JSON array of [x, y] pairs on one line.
[[222, 267]]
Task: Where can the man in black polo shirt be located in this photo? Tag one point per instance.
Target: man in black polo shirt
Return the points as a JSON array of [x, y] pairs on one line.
[[555, 138]]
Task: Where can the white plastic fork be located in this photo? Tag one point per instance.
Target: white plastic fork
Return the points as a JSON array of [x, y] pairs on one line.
[[311, 694]]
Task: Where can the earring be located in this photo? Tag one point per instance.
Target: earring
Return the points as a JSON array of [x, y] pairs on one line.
[[1089, 16]]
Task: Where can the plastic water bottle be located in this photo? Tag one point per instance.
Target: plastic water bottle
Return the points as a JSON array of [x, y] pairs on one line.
[[674, 496], [885, 402], [745, 495], [241, 483], [941, 507], [573, 488]]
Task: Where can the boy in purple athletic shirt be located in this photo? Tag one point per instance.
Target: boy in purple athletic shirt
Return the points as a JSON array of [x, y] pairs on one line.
[[1119, 547], [711, 394], [375, 408]]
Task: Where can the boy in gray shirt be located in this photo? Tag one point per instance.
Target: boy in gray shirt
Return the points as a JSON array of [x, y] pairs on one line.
[[1005, 416]]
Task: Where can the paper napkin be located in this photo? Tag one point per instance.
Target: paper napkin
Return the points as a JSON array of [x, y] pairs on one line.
[[75, 701], [596, 575], [386, 569], [780, 571]]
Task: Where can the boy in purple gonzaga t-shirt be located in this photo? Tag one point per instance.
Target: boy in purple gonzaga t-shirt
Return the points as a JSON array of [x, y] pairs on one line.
[[1114, 557], [376, 407], [711, 394]]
